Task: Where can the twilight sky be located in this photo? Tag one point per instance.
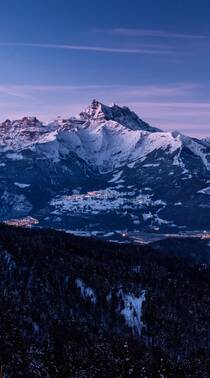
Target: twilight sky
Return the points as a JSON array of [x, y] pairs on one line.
[[151, 55]]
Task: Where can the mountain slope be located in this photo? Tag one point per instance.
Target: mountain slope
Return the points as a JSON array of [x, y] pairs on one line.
[[106, 170]]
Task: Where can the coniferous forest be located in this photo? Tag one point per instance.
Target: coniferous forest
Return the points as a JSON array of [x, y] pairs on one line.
[[75, 307]]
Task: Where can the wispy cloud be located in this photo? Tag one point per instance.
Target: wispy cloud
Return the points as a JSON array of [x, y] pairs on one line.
[[174, 110], [26, 90], [161, 91], [123, 91], [177, 104], [13, 90], [153, 33], [189, 117], [143, 50], [171, 106]]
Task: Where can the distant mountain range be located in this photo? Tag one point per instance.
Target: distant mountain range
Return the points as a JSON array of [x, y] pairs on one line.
[[103, 171]]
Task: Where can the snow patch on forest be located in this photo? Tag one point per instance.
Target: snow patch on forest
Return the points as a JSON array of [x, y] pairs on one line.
[[132, 310], [86, 292], [204, 190], [21, 185]]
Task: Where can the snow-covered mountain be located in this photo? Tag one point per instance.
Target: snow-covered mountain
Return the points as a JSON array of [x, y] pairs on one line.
[[104, 170], [206, 141]]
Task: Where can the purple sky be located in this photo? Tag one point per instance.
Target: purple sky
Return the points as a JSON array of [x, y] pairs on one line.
[[153, 56]]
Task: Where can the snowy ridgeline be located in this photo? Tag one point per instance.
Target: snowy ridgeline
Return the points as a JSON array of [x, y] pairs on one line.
[[102, 136], [130, 306]]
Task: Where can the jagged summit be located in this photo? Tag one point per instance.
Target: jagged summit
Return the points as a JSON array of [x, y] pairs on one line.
[[123, 115], [96, 110], [21, 133], [23, 122]]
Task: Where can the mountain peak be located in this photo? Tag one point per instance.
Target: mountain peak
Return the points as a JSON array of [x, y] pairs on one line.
[[99, 112], [96, 110]]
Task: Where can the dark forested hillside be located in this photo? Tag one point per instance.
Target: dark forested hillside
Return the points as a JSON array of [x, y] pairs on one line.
[[76, 307]]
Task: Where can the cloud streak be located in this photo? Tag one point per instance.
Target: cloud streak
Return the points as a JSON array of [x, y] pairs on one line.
[[149, 50], [171, 106], [25, 90], [188, 117], [153, 33], [125, 91], [183, 112]]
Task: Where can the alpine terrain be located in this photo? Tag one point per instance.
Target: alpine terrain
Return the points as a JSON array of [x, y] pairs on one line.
[[104, 170]]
